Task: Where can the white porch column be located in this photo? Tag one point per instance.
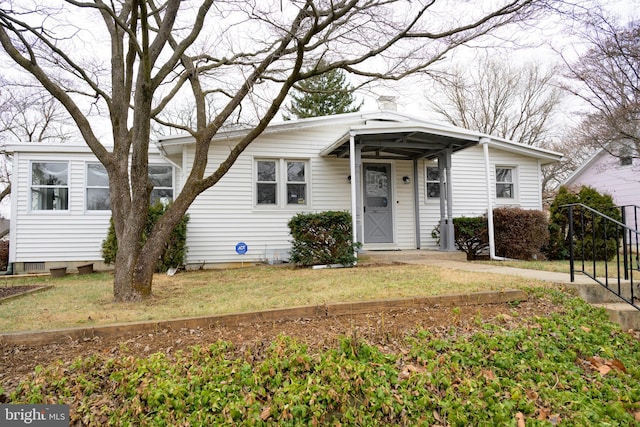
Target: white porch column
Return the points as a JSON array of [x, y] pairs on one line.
[[484, 141], [353, 181], [416, 203]]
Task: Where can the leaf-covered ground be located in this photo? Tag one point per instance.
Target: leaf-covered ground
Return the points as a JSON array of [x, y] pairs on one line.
[[552, 360]]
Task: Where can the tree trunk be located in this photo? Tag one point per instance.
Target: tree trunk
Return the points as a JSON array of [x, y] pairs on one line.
[[127, 286]]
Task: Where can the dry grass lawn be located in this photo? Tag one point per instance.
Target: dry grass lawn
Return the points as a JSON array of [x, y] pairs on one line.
[[87, 300]]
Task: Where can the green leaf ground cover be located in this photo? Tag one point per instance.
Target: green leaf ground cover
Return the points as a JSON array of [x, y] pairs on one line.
[[572, 369]]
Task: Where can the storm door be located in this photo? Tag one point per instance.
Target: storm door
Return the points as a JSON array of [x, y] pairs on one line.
[[378, 214]]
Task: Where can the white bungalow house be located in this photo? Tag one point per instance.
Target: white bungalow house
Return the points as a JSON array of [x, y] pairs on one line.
[[616, 175], [385, 167]]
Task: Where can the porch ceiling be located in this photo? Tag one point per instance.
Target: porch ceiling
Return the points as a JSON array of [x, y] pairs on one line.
[[400, 145]]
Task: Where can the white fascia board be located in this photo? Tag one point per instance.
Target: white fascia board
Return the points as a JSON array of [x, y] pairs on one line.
[[30, 147], [291, 125], [547, 156], [39, 147], [410, 127]]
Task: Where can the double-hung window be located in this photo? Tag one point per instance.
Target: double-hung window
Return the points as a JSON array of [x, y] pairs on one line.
[[296, 183], [97, 196], [49, 186], [505, 184], [97, 186], [267, 182], [433, 182], [161, 177], [281, 182]]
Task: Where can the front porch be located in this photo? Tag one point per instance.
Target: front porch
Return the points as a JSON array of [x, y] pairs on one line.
[[374, 150]]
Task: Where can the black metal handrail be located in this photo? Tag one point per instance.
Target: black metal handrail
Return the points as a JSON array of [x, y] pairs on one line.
[[607, 230], [630, 215]]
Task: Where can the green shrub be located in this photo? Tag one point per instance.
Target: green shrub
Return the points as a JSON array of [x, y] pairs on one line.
[[175, 249], [322, 238], [471, 235], [558, 247], [520, 233]]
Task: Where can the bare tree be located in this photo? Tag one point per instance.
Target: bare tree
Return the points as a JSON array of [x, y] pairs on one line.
[[519, 103], [495, 97], [607, 78], [245, 55], [27, 115]]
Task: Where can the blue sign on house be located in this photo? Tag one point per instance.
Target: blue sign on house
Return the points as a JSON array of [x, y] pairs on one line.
[[242, 248]]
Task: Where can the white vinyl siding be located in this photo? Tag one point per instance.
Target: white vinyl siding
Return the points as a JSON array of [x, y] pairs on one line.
[[506, 183], [68, 236], [228, 213], [469, 187]]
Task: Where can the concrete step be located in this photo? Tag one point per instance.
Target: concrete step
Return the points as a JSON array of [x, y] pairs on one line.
[[627, 316], [593, 292]]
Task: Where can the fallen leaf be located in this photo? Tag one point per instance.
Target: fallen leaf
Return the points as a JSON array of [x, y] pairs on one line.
[[520, 419], [555, 419], [595, 362], [636, 416], [544, 414], [584, 328], [408, 370], [604, 369], [266, 413], [488, 374], [532, 395], [616, 364]]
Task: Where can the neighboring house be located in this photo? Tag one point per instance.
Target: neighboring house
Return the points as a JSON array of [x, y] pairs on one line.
[[383, 166], [618, 176]]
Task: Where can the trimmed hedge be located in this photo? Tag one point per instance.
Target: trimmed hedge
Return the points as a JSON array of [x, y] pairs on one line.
[[472, 236], [322, 238], [520, 233]]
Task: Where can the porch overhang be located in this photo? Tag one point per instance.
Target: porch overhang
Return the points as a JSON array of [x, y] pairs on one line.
[[400, 141]]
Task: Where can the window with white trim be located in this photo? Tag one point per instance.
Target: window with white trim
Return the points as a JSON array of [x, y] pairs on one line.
[[281, 182], [161, 177], [267, 182], [433, 182], [97, 190], [296, 183], [49, 186], [505, 184], [97, 186]]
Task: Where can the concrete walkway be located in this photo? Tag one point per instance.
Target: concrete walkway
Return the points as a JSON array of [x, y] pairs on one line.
[[620, 312], [458, 261]]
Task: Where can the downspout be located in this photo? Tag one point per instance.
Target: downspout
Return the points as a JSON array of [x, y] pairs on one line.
[[484, 141], [354, 181]]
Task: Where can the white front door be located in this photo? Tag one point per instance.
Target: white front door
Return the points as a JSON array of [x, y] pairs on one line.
[[378, 210]]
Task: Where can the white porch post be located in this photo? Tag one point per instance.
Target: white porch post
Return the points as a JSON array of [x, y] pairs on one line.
[[416, 203], [354, 180], [484, 141]]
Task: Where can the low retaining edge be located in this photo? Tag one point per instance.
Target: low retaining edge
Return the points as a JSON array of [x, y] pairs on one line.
[[316, 311]]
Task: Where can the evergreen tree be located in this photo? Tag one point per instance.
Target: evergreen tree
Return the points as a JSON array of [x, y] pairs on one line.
[[322, 95]]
